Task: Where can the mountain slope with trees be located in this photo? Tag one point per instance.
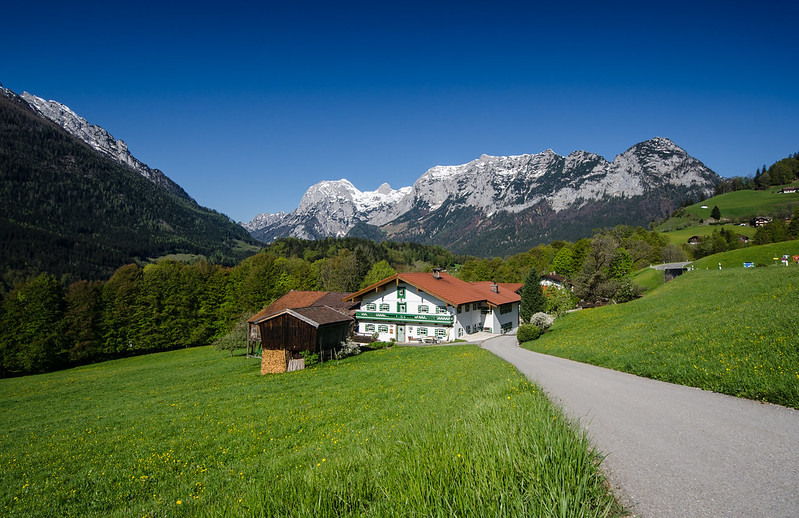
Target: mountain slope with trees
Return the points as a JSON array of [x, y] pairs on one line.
[[68, 210]]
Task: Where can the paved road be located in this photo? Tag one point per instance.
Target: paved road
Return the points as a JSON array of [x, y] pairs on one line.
[[673, 450]]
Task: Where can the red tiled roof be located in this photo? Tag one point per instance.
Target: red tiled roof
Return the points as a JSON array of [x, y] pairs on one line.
[[303, 299], [447, 288]]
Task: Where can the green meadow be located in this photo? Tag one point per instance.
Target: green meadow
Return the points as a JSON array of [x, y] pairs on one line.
[[759, 255], [440, 431], [746, 204], [732, 331], [681, 236]]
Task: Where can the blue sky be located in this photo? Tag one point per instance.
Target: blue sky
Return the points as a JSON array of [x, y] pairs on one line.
[[246, 106]]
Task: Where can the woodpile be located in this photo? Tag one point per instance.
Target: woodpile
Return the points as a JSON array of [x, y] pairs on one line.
[[273, 361]]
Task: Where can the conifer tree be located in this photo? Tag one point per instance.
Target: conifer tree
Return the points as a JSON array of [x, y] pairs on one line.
[[715, 213], [533, 299]]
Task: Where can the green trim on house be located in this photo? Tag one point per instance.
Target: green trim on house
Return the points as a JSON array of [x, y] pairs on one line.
[[405, 317]]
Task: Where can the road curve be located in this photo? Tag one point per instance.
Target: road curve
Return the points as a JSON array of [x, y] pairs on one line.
[[674, 451]]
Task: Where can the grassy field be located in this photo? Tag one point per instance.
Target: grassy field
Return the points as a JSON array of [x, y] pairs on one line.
[[444, 431], [732, 331], [680, 237], [746, 204], [763, 255]]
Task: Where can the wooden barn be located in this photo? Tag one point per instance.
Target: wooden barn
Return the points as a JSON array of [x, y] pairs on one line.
[[285, 334], [292, 300]]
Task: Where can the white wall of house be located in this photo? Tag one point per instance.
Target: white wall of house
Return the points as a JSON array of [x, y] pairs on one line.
[[390, 314], [416, 304]]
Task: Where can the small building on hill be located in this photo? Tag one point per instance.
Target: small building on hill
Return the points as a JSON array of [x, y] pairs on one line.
[[553, 279], [760, 221], [434, 306], [288, 333], [285, 324]]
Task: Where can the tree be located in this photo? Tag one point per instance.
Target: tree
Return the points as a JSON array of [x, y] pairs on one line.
[[236, 338], [533, 299], [564, 262], [715, 213], [378, 272], [31, 339], [793, 227]]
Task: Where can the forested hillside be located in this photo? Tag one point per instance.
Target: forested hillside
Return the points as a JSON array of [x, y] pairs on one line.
[[67, 210]]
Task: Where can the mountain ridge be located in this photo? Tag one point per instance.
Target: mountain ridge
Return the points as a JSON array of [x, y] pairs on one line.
[[100, 140], [529, 189], [70, 210]]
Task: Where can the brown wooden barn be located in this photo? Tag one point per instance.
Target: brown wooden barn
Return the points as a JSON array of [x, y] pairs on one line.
[[292, 300], [285, 334]]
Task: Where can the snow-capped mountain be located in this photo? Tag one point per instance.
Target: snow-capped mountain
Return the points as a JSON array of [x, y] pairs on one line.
[[332, 208], [99, 139], [517, 200]]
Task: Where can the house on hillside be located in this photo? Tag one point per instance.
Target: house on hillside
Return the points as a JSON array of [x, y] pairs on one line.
[[694, 240], [760, 221], [789, 190], [434, 307], [553, 279], [285, 326]]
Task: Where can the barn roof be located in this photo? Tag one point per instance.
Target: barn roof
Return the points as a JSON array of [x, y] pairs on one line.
[[447, 288], [303, 299], [314, 315]]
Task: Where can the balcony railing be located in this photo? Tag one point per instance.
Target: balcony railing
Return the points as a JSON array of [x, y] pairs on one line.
[[425, 318]]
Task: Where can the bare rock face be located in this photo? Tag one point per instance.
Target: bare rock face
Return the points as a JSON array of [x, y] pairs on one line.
[[99, 139], [543, 187]]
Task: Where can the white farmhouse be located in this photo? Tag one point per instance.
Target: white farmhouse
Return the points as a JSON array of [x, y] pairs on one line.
[[435, 306]]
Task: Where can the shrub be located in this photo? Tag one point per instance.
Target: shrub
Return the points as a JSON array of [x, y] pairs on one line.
[[559, 301], [542, 321], [348, 348], [527, 332], [310, 358]]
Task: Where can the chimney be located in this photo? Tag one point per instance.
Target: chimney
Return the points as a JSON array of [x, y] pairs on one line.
[[437, 273], [494, 287]]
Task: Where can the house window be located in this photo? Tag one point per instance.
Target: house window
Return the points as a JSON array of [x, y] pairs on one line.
[[421, 331], [474, 306], [384, 307], [401, 292], [441, 332], [506, 327], [402, 307], [371, 307], [468, 330], [460, 332], [382, 328], [423, 308], [441, 310], [370, 328], [505, 308], [459, 309], [468, 307]]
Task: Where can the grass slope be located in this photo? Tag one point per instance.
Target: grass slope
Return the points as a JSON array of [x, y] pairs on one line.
[[447, 431], [732, 331], [681, 236], [746, 204], [762, 255]]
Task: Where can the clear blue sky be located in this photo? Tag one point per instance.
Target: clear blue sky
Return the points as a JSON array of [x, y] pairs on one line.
[[246, 106]]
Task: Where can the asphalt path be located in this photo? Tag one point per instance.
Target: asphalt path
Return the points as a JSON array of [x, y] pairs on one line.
[[670, 450]]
